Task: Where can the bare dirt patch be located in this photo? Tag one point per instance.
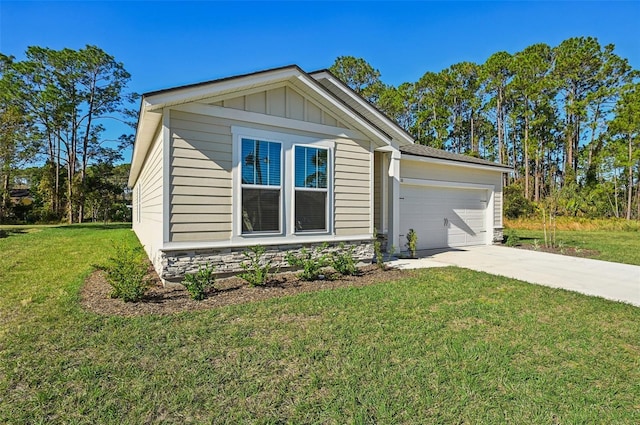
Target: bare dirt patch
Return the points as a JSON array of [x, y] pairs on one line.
[[566, 250], [162, 300]]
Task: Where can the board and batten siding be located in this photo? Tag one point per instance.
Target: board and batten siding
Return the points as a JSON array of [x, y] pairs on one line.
[[201, 178], [147, 200], [283, 102], [451, 173]]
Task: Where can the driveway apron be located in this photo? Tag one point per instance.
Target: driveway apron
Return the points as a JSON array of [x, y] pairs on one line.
[[613, 281]]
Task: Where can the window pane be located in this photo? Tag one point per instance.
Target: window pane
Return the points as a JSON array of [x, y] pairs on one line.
[[260, 162], [260, 210], [311, 167], [311, 210]]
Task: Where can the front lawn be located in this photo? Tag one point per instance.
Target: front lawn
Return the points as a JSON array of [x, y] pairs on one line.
[[442, 346]]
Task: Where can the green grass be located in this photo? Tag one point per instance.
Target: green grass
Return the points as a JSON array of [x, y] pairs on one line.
[[616, 246], [444, 346]]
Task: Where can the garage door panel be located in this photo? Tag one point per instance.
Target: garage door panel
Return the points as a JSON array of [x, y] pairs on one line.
[[443, 217]]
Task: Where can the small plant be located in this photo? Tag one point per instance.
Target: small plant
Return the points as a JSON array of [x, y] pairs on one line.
[[377, 250], [512, 239], [536, 245], [198, 283], [126, 272], [343, 261], [3, 233], [561, 247], [311, 262], [256, 270], [412, 242]]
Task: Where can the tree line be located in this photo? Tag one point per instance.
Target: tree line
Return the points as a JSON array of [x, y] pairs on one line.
[[566, 118], [55, 106]]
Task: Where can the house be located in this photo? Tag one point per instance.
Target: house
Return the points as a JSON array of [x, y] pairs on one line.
[[287, 159]]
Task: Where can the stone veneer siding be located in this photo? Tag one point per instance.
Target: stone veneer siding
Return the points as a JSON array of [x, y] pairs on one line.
[[227, 261], [498, 235]]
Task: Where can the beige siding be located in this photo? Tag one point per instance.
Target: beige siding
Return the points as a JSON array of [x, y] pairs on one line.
[[147, 201], [352, 187], [200, 178], [283, 102], [377, 192], [422, 170]]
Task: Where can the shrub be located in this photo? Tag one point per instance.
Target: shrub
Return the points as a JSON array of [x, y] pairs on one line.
[[512, 238], [257, 270], [412, 242], [200, 282], [515, 204], [311, 262], [126, 272], [343, 261], [3, 233]]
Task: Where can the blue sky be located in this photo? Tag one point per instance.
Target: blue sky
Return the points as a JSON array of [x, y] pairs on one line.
[[165, 44]]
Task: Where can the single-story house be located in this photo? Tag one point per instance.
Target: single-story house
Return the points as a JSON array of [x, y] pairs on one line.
[[286, 159]]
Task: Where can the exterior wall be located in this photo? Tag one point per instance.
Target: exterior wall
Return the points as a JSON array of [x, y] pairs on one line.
[[202, 177], [353, 167], [377, 193], [452, 173], [147, 202], [283, 102], [227, 261]]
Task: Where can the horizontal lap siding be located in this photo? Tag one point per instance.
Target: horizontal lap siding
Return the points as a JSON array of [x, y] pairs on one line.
[[352, 188], [148, 197], [201, 166]]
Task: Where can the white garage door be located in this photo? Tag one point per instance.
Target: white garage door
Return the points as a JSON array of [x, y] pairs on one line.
[[443, 217]]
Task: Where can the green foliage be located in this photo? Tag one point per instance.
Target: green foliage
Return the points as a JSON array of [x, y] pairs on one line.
[[412, 242], [200, 282], [512, 238], [343, 261], [126, 272], [311, 262], [515, 204], [257, 269], [377, 250], [3, 234]]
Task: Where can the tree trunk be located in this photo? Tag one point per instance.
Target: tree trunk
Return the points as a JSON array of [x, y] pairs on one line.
[[630, 184], [527, 193]]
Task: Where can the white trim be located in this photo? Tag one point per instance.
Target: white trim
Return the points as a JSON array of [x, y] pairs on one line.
[[166, 175], [271, 120], [372, 188], [345, 110], [287, 232], [328, 190], [489, 210], [363, 103], [204, 91], [280, 240], [451, 162]]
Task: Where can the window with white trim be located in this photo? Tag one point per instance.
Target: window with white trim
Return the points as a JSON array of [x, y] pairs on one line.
[[311, 189], [261, 173]]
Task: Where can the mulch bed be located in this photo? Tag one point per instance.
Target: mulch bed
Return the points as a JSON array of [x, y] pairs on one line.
[[161, 300]]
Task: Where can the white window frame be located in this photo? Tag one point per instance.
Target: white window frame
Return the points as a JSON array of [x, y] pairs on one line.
[[328, 190], [287, 142], [262, 186]]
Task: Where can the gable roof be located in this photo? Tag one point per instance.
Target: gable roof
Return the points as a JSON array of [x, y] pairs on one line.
[[361, 105], [429, 152]]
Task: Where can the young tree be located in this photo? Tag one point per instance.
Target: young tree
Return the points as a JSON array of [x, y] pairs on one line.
[[359, 76]]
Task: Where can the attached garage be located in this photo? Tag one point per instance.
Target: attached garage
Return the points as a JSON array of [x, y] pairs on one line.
[[449, 200], [445, 215]]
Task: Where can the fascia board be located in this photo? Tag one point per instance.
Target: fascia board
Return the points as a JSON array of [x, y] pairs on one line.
[[340, 85], [408, 157], [145, 132]]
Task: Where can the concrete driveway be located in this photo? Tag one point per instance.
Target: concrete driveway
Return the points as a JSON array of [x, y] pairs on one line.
[[618, 282]]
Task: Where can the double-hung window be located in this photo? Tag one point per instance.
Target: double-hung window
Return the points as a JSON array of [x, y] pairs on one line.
[[311, 189], [261, 173]]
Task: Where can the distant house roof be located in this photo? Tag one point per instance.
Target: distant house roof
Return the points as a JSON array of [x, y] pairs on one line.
[[429, 152]]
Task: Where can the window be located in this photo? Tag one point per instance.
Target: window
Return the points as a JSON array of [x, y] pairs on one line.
[[261, 186], [311, 188]]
